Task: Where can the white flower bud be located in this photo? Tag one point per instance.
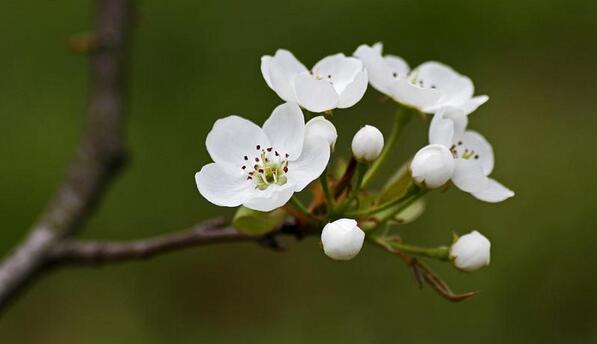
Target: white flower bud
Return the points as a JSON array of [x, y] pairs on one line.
[[319, 126], [433, 166], [342, 239], [367, 144], [470, 252]]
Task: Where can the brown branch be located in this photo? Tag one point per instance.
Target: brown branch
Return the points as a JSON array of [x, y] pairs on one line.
[[99, 157], [211, 232]]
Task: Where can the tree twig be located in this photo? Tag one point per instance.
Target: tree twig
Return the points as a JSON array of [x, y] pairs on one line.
[[215, 231], [100, 155]]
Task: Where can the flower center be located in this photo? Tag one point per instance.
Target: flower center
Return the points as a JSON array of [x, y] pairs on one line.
[[459, 150], [270, 167]]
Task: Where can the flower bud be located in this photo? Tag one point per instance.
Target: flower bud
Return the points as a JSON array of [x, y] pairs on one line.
[[342, 239], [433, 166], [319, 126], [367, 144], [470, 252]]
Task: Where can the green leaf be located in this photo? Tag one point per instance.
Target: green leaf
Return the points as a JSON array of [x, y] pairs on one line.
[[411, 213], [252, 222], [397, 185]]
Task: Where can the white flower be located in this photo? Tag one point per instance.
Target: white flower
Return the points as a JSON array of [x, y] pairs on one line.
[[429, 87], [471, 252], [342, 239], [336, 81], [367, 144], [322, 127], [261, 168], [464, 156]]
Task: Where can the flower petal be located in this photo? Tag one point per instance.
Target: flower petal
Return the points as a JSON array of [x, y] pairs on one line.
[[474, 141], [441, 130], [409, 94], [232, 138], [313, 94], [275, 196], [338, 69], [379, 73], [468, 176], [398, 67], [495, 192], [319, 126], [311, 163], [354, 91], [222, 186], [455, 89], [473, 103], [286, 129], [458, 117], [265, 62], [283, 68]]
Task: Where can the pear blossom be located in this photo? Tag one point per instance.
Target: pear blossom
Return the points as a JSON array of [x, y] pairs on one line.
[[336, 81], [261, 168], [342, 239], [367, 144], [429, 87], [471, 252], [462, 156]]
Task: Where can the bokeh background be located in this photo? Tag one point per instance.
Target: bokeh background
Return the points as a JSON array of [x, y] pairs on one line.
[[195, 61]]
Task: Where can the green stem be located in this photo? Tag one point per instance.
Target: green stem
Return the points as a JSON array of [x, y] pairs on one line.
[[401, 117], [440, 252], [325, 185], [413, 193], [361, 170], [300, 207]]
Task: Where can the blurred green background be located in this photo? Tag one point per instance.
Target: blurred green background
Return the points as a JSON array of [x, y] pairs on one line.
[[195, 61]]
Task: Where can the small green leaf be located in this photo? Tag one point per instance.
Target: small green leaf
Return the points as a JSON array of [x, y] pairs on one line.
[[252, 222], [411, 213], [397, 185]]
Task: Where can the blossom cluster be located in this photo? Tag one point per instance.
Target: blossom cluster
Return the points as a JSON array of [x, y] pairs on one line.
[[261, 168]]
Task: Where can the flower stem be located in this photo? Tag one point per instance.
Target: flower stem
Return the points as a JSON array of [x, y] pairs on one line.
[[361, 170], [440, 252], [300, 207], [413, 193], [401, 118], [325, 186]]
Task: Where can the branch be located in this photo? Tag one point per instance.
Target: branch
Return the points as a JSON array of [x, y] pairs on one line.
[[100, 155], [210, 232]]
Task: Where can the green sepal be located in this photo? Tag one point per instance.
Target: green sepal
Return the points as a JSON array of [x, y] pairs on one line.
[[397, 185], [253, 222]]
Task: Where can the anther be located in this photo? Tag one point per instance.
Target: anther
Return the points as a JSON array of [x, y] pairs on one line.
[[258, 147], [269, 149], [287, 155], [246, 157], [476, 156], [460, 143], [244, 167], [285, 169], [256, 159], [277, 154], [394, 74]]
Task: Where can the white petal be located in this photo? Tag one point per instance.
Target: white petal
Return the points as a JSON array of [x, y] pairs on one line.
[[354, 91], [379, 73], [441, 130], [338, 69], [474, 141], [274, 197], [222, 186], [232, 138], [377, 47], [409, 94], [319, 126], [468, 176], [286, 129], [397, 65], [473, 103], [458, 117], [495, 192], [265, 61], [311, 163], [433, 165], [283, 68], [315, 95], [455, 88]]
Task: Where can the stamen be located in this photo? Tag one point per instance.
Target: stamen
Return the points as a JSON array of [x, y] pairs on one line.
[[246, 158], [244, 167], [258, 147], [269, 149]]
